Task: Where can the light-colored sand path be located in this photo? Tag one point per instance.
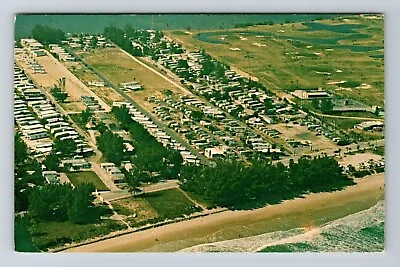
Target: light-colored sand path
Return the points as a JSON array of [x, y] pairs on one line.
[[313, 210]]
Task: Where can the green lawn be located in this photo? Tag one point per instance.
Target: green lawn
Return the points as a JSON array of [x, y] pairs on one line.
[[22, 237], [200, 199], [78, 178], [53, 234], [171, 203]]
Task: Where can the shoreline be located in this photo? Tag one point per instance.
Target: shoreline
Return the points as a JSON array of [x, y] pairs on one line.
[[313, 210]]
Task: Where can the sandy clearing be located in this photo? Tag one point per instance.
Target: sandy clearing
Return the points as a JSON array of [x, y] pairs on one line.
[[313, 210], [56, 70], [359, 158], [299, 133]]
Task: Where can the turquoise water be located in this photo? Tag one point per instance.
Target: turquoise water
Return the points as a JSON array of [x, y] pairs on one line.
[[95, 23], [376, 56], [341, 28]]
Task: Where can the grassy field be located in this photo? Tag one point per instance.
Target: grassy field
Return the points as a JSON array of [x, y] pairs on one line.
[[84, 74], [171, 203], [52, 234], [293, 55], [379, 151], [137, 210], [22, 237], [200, 199], [78, 178], [119, 68]]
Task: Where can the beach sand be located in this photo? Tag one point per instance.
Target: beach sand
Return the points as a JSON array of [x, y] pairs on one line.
[[308, 212]]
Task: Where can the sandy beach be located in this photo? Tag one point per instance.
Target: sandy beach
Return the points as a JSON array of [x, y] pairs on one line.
[[308, 212]]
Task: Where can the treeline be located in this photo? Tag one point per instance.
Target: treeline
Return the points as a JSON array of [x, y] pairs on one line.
[[234, 183], [118, 36], [27, 174], [111, 145], [47, 35], [248, 24], [211, 66], [150, 155], [62, 202]]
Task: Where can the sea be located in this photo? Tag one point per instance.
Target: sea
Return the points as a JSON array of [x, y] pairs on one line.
[[359, 232], [95, 23]]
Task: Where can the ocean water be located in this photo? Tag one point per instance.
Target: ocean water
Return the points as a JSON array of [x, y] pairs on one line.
[[95, 23], [359, 232]]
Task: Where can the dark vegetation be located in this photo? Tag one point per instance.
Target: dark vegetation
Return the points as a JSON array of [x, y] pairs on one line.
[[124, 38], [111, 145], [62, 202], [59, 94], [47, 35], [27, 174], [245, 25], [150, 155], [237, 185]]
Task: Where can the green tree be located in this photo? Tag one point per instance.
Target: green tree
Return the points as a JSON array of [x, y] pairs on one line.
[[86, 115], [20, 150], [111, 145], [52, 162], [47, 35], [65, 147], [326, 106], [50, 202], [134, 179], [59, 94], [93, 42], [80, 206]]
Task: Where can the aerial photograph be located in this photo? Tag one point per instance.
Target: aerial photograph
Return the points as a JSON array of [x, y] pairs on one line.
[[259, 133]]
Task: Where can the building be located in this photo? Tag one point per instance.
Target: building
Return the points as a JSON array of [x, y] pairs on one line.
[[75, 164], [132, 86], [314, 94], [215, 152], [51, 176], [370, 125]]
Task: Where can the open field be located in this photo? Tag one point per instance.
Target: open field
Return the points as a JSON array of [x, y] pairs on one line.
[[171, 203], [73, 86], [301, 133], [135, 210], [53, 234], [154, 207], [90, 177], [295, 55], [106, 93], [313, 210], [119, 68]]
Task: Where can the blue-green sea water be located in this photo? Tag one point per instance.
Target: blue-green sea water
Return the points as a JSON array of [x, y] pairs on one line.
[[95, 23], [360, 232]]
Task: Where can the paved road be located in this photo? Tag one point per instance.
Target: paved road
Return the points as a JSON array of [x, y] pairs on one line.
[[170, 184], [156, 121], [120, 194], [105, 178], [286, 146]]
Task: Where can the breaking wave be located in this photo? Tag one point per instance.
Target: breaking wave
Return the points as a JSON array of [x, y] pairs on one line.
[[358, 232]]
